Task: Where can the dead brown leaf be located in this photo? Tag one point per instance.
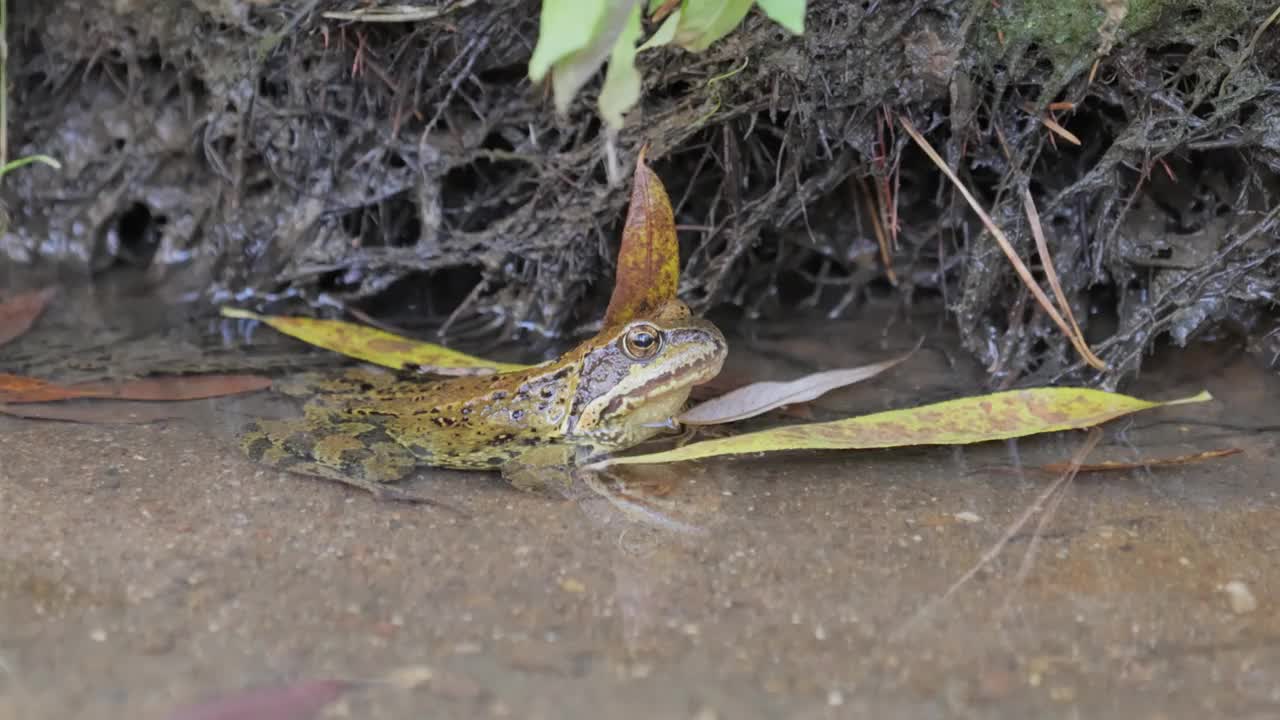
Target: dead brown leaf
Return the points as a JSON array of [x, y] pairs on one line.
[[19, 389], [649, 258], [19, 312]]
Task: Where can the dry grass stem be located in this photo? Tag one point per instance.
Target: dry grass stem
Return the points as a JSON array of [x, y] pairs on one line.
[[1020, 267]]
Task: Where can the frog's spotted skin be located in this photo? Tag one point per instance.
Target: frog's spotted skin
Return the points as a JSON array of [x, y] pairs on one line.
[[605, 395]]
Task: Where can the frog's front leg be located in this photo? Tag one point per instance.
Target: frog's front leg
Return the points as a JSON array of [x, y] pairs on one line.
[[355, 453], [540, 468]]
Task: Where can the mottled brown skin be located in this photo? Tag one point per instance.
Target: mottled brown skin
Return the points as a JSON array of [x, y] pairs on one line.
[[605, 395]]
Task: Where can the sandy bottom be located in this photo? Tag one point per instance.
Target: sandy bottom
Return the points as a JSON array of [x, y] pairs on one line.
[[144, 568]]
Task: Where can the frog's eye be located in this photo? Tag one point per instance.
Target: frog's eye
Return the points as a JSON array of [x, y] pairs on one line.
[[641, 342]]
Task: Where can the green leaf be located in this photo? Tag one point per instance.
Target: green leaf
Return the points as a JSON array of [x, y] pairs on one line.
[[622, 80], [564, 27], [665, 33], [787, 13], [702, 22], [998, 416], [572, 72]]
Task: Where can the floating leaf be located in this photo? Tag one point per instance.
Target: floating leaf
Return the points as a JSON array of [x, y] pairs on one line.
[[649, 258], [20, 389], [999, 416], [299, 701], [19, 312], [377, 346], [759, 398], [98, 412]]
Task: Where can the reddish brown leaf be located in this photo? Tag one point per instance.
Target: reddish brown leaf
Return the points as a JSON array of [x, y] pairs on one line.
[[20, 311], [97, 412], [649, 259], [19, 389], [299, 701]]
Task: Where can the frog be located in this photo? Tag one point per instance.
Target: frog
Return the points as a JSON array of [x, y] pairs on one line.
[[611, 392]]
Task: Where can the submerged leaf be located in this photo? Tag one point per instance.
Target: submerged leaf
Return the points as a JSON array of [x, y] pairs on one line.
[[20, 389], [759, 398], [19, 312], [649, 258], [98, 412], [299, 701], [377, 346], [998, 416]]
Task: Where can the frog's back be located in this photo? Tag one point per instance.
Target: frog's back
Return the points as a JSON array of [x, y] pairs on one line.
[[472, 422]]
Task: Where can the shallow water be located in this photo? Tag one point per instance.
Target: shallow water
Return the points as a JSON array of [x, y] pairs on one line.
[[144, 568]]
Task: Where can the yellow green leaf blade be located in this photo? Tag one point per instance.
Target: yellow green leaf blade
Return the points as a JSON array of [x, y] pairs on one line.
[[649, 258], [375, 346], [998, 416]]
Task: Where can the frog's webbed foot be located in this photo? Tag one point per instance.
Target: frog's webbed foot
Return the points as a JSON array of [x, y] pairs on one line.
[[356, 454]]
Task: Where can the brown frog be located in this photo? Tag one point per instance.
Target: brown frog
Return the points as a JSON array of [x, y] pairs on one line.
[[610, 393]]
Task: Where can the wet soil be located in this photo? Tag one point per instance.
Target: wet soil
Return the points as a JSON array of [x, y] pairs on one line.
[[147, 567], [292, 160]]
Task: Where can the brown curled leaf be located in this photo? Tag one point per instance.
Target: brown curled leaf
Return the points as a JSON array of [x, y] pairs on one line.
[[649, 258]]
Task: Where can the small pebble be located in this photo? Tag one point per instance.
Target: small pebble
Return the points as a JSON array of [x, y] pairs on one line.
[[1240, 597], [968, 517]]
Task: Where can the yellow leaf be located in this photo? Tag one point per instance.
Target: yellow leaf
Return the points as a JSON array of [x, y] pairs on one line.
[[649, 259], [999, 416], [377, 346]]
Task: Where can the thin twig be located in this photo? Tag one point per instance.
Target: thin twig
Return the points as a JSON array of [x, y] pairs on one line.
[[1009, 533], [1054, 495], [877, 225]]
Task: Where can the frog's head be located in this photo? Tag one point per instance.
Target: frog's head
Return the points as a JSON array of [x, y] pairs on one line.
[[637, 375]]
